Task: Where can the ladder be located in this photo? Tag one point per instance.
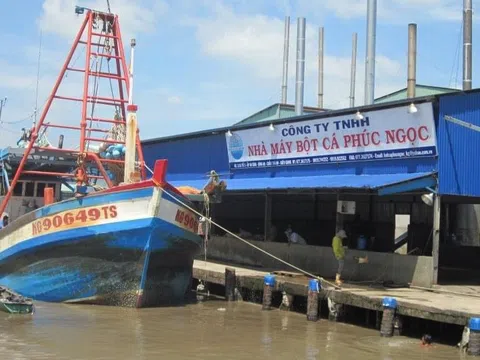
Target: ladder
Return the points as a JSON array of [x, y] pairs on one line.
[[102, 139]]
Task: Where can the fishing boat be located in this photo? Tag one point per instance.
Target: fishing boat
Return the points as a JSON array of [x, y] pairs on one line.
[[13, 303], [121, 237]]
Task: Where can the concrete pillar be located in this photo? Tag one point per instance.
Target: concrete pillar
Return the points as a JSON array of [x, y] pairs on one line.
[[230, 284], [436, 237], [389, 307], [268, 216], [312, 300], [474, 340], [268, 286]]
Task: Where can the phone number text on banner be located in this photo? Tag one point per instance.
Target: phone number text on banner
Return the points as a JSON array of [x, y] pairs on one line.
[[381, 135]]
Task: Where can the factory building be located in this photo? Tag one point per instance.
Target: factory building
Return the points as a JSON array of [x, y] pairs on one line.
[[391, 174]]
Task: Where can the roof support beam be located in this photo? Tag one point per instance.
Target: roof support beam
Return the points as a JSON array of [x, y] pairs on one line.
[[409, 185]]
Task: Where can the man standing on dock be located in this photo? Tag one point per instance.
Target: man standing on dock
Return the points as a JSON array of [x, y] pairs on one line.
[[339, 253]]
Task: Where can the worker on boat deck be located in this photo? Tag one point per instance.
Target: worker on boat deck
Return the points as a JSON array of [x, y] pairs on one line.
[[339, 253]]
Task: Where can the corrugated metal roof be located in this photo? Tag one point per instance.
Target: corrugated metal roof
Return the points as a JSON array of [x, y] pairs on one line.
[[275, 112], [391, 102], [420, 90], [351, 181], [318, 115]]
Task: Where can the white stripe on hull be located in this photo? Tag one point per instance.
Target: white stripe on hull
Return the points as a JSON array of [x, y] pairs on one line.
[[111, 213]]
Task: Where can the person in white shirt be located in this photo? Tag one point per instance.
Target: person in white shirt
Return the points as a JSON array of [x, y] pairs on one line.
[[294, 238]]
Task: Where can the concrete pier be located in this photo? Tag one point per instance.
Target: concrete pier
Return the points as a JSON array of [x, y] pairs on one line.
[[428, 305]]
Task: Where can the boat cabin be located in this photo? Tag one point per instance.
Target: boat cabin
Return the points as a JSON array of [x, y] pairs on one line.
[[28, 193]]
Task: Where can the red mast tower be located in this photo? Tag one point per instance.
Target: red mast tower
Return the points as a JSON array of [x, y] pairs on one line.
[[101, 37]]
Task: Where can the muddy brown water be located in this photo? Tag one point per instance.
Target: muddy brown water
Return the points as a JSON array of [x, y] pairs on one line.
[[212, 329]]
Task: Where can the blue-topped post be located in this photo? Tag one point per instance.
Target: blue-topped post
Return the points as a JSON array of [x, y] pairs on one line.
[[312, 300], [389, 306], [474, 340], [268, 286]]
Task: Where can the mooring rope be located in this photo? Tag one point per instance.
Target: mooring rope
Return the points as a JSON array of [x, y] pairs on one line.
[[321, 279]]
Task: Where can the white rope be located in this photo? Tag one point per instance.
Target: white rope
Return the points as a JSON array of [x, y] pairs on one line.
[[205, 226], [245, 241]]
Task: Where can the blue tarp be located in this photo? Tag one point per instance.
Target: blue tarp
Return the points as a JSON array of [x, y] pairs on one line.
[[402, 182]]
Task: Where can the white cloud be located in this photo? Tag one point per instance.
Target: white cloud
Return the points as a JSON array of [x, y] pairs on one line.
[[58, 16], [58, 21], [174, 100], [255, 43], [389, 11], [242, 38]]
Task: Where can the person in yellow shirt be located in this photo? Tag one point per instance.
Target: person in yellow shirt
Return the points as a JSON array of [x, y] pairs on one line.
[[339, 253]]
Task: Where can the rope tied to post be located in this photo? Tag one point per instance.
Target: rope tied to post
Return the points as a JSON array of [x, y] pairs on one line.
[[211, 222]]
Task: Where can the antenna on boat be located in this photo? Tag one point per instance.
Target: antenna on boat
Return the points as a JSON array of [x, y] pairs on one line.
[[2, 104], [130, 175], [38, 80]]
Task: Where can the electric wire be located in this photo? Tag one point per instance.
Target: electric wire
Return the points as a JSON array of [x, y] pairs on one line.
[[456, 62], [30, 116]]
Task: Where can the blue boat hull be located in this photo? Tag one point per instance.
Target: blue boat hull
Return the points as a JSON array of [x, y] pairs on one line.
[[133, 263]]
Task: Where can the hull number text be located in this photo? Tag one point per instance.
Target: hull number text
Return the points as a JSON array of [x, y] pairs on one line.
[[187, 220], [72, 219]]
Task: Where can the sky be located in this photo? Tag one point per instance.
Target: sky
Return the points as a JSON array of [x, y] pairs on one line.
[[202, 64]]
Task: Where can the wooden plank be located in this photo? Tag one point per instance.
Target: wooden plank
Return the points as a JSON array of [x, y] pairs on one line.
[[288, 273]]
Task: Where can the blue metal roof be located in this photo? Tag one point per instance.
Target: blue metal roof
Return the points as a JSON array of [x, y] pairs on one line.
[[402, 182]]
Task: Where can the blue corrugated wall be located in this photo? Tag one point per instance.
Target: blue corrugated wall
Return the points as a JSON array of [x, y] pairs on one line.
[[459, 147], [189, 158]]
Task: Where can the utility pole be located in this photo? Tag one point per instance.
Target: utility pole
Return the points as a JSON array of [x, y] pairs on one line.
[[370, 53], [2, 104], [412, 61], [320, 67], [286, 48], [300, 72], [353, 70], [467, 45]]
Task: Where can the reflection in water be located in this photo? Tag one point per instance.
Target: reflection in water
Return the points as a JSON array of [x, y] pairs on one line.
[[312, 351], [207, 330], [285, 318], [266, 335]]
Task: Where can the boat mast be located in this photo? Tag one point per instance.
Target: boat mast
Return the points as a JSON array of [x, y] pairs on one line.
[[38, 80], [101, 36], [130, 175]]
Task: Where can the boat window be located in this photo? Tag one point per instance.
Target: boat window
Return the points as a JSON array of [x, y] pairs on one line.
[[40, 189], [18, 189], [29, 189]]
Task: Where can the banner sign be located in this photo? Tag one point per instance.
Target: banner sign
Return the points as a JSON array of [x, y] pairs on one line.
[[381, 135]]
